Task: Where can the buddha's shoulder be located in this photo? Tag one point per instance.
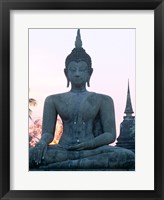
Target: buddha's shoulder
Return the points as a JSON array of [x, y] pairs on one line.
[[91, 95], [56, 97], [102, 97]]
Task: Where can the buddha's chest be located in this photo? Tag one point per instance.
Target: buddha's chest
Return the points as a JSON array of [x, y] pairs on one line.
[[79, 107]]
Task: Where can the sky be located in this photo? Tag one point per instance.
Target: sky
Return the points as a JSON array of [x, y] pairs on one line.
[[113, 60]]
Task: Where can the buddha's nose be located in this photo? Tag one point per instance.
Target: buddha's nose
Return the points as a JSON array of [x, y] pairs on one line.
[[77, 74]]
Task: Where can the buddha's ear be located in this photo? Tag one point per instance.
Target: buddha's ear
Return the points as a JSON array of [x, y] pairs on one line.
[[90, 73], [66, 74]]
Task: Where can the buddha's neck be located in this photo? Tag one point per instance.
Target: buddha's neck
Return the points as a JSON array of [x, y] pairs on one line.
[[78, 89]]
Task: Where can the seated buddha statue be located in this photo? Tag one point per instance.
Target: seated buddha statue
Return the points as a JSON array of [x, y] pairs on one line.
[[88, 125]]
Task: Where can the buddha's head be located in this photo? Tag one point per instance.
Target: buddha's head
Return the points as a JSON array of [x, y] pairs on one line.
[[78, 63]]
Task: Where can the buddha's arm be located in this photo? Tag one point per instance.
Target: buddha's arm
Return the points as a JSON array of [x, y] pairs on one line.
[[49, 120], [48, 128], [107, 118]]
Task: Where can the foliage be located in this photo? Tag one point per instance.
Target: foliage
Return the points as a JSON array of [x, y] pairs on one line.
[[35, 132], [32, 102]]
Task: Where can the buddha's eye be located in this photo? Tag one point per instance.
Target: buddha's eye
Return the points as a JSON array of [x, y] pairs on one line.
[[82, 69], [72, 69]]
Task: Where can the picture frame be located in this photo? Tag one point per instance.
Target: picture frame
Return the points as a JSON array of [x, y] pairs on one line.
[[5, 7]]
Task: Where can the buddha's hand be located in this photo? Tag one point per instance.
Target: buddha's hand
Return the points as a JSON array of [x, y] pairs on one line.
[[40, 151], [83, 146]]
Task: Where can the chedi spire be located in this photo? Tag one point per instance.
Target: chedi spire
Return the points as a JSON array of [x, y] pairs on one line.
[[128, 108]]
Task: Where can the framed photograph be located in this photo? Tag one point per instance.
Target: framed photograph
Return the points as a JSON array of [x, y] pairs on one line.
[[108, 53]]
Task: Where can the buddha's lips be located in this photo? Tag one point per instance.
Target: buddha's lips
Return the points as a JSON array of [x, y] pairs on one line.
[[77, 78]]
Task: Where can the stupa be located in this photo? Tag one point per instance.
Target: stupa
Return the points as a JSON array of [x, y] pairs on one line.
[[126, 138]]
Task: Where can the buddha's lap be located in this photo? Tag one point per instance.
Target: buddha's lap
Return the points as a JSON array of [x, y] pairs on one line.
[[98, 156]]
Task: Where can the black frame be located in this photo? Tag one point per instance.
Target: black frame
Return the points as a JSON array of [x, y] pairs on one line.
[[5, 7]]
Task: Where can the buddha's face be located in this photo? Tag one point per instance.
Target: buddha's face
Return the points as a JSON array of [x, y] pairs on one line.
[[78, 73]]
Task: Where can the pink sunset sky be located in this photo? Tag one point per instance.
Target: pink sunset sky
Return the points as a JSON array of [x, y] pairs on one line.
[[113, 59]]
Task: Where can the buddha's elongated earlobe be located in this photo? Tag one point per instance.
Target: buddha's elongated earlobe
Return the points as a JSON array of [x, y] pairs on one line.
[[88, 82], [67, 83], [65, 72], [90, 72]]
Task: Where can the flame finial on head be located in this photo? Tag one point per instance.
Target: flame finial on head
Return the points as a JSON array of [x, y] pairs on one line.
[[78, 42], [78, 53]]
